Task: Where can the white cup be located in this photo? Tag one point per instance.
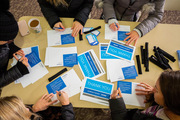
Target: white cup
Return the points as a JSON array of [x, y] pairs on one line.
[[34, 24]]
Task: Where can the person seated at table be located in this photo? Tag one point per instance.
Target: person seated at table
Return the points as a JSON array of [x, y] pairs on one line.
[[12, 107], [127, 10], [166, 94], [8, 32], [77, 9]]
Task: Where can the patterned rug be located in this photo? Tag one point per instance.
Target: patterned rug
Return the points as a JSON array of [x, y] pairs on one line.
[[21, 8]]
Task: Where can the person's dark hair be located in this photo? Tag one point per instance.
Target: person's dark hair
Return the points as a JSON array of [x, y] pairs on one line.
[[169, 82]]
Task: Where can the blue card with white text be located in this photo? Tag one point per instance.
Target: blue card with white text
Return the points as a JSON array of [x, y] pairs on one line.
[[67, 39], [98, 89], [56, 85], [33, 59], [70, 60], [129, 72], [90, 65], [122, 35], [103, 54], [125, 87], [121, 50]]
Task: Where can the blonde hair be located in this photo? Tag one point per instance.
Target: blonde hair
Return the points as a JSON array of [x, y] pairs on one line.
[[58, 2], [12, 108]]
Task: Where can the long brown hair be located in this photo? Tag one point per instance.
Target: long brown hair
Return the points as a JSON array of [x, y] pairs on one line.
[[58, 2], [12, 108], [170, 86]]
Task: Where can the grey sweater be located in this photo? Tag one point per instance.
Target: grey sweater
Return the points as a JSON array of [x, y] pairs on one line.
[[126, 10]]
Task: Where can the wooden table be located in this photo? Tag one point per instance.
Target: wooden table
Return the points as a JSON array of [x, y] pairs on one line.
[[165, 36]]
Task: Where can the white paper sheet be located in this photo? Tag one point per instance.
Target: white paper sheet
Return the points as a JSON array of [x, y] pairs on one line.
[[114, 69], [35, 73], [54, 55], [133, 99], [109, 34], [73, 84], [54, 37]]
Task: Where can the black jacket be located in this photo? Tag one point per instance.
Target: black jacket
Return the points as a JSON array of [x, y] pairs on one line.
[[8, 76], [119, 112], [67, 113], [78, 9]]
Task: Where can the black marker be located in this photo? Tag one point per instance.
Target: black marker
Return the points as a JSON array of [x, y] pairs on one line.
[[170, 57], [146, 57], [57, 74], [80, 36], [138, 64], [142, 55], [92, 30]]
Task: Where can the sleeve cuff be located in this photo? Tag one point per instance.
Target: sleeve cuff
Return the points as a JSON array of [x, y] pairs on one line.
[[13, 48], [52, 25], [22, 68], [110, 21], [138, 31], [82, 23]]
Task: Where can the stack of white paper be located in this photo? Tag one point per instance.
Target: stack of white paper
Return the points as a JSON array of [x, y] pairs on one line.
[[118, 69], [36, 67], [61, 56]]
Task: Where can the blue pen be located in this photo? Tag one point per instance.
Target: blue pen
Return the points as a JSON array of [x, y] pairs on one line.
[[57, 28], [116, 25]]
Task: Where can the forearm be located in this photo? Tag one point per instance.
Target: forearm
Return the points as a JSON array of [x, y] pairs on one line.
[[83, 14], [118, 109], [13, 74], [67, 112], [13, 48], [108, 10], [153, 19], [49, 13]]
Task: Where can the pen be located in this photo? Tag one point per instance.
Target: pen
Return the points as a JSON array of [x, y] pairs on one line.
[[57, 74], [116, 25], [57, 28]]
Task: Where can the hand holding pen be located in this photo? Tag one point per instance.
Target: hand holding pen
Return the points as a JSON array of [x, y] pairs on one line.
[[114, 26], [59, 26], [62, 97]]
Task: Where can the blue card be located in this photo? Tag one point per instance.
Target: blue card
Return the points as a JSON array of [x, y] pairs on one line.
[[35, 50], [90, 65], [32, 59], [103, 54], [125, 87], [122, 35], [67, 39], [129, 72], [98, 89], [56, 85], [70, 60], [121, 50]]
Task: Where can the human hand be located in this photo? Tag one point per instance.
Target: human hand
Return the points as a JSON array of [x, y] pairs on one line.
[[19, 52], [24, 60], [133, 36], [77, 26], [147, 91], [63, 97], [43, 103], [59, 25], [115, 93], [114, 27]]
